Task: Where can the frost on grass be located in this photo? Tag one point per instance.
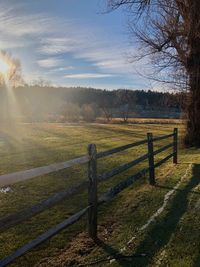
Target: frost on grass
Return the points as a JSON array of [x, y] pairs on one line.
[[5, 190]]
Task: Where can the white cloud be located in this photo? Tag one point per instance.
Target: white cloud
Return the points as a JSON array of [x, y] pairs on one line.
[[49, 62], [53, 46], [100, 53], [49, 36], [24, 25], [87, 76], [62, 69], [16, 23]]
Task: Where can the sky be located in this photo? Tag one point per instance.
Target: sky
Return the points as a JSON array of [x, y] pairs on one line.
[[70, 43]]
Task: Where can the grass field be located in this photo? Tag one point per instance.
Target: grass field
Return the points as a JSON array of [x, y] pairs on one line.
[[171, 241]]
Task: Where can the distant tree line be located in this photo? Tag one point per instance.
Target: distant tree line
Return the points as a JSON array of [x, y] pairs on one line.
[[39, 103], [167, 34]]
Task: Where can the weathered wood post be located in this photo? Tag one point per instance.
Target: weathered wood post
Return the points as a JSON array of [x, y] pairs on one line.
[[175, 147], [151, 159], [92, 191]]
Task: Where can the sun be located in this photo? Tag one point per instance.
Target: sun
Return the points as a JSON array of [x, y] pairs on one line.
[[4, 67]]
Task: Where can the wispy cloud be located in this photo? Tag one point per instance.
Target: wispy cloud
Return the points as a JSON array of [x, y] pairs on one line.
[[52, 39], [100, 53], [18, 25], [62, 69], [55, 45], [24, 25], [50, 62], [87, 76]]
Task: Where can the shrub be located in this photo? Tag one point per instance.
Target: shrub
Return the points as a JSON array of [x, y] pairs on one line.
[[70, 112], [89, 112]]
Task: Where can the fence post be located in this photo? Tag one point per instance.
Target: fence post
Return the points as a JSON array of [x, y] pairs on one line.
[[92, 191], [151, 159], [175, 147]]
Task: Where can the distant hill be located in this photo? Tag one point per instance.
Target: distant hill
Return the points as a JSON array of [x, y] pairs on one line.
[[42, 100]]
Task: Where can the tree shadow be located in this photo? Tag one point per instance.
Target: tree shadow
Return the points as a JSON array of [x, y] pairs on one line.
[[160, 233], [114, 254], [177, 190], [117, 131]]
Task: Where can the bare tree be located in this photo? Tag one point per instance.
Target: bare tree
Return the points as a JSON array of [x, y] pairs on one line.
[[124, 112], [107, 112], [70, 112], [125, 102], [169, 34], [41, 82], [106, 106], [89, 112], [10, 77]]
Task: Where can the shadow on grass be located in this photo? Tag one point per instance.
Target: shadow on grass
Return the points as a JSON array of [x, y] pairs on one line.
[[160, 233], [118, 131], [114, 254], [178, 190]]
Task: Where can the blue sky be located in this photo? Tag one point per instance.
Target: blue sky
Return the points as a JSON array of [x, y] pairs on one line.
[[70, 43]]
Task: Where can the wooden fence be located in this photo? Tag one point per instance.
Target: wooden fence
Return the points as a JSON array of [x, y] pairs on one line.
[[93, 179]]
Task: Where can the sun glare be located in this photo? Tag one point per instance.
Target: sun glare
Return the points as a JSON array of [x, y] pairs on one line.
[[4, 66]]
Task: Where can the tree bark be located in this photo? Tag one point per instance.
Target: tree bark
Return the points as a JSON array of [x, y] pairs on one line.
[[193, 70], [193, 119]]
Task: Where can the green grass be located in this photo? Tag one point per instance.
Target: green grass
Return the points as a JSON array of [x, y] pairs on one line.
[[42, 144]]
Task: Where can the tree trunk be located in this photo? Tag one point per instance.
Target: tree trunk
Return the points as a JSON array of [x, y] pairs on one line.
[[193, 122], [193, 70], [193, 109]]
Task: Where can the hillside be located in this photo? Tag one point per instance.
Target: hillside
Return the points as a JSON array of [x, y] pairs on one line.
[[39, 103]]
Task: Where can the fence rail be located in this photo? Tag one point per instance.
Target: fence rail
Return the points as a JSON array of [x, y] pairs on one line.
[[93, 178], [120, 149], [12, 178]]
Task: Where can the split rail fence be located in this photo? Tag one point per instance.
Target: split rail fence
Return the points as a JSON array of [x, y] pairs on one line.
[[93, 178]]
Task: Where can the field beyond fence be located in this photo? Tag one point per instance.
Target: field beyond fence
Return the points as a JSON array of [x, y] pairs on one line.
[[144, 121], [93, 179]]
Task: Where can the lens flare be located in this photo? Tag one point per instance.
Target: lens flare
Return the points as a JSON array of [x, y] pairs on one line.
[[4, 67], [9, 77]]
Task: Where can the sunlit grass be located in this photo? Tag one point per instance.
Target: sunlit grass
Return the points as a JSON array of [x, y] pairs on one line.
[[43, 144]]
